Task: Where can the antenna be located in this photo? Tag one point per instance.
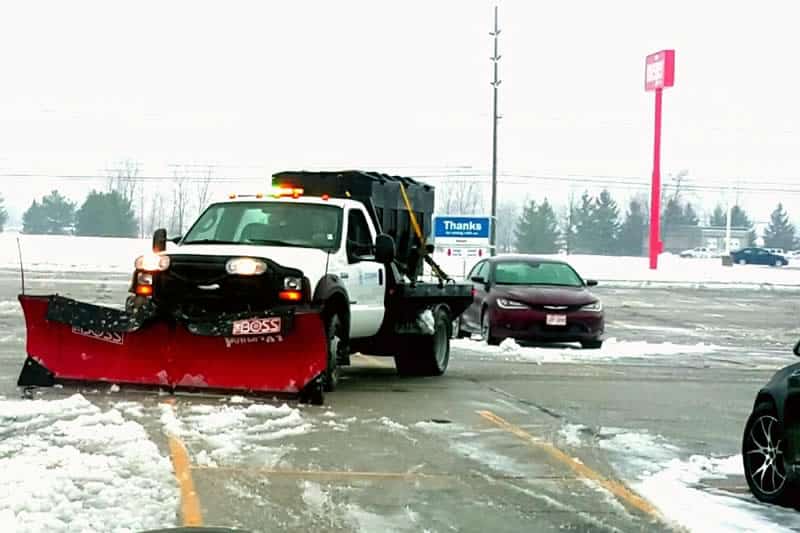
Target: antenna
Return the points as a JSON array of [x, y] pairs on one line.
[[21, 268]]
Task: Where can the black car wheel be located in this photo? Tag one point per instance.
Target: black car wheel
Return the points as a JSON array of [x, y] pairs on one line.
[[762, 453], [486, 330]]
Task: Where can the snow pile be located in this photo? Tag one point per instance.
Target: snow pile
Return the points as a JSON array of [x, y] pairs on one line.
[[68, 466], [227, 432], [677, 487], [571, 433], [391, 424], [612, 349]]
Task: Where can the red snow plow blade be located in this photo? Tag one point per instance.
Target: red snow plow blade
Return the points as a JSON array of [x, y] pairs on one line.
[[250, 355]]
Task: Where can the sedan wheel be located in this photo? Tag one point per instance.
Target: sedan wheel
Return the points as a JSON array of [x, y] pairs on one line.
[[486, 330], [742, 262], [762, 453]]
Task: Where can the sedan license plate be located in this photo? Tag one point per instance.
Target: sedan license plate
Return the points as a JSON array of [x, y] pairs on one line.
[[257, 326], [556, 320]]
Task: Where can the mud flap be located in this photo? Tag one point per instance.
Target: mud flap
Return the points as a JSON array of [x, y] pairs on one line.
[[160, 352]]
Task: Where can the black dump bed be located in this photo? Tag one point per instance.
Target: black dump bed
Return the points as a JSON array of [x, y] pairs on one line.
[[380, 193]]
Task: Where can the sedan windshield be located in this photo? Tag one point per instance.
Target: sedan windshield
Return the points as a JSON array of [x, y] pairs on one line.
[[268, 223], [527, 273]]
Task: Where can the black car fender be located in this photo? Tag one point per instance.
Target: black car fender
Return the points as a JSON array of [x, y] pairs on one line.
[[778, 390], [330, 292]]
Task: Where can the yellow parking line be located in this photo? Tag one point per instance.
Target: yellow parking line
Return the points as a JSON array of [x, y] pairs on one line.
[[190, 503], [615, 487]]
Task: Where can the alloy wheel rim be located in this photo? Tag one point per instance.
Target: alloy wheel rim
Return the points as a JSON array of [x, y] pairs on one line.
[[764, 456]]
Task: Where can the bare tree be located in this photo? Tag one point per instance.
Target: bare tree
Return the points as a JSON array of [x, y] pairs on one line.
[[459, 198], [201, 189], [125, 180], [507, 216], [180, 201], [568, 222], [156, 218]]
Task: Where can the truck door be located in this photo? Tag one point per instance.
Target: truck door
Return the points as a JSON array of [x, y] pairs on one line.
[[366, 278]]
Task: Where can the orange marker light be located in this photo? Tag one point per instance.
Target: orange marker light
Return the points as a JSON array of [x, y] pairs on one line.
[[144, 290], [232, 196], [291, 296], [326, 197]]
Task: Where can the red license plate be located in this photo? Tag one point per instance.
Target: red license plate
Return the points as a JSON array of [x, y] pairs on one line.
[[556, 320], [257, 326]]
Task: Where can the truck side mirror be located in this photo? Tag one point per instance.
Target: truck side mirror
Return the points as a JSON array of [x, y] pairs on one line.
[[159, 240], [384, 249], [591, 282]]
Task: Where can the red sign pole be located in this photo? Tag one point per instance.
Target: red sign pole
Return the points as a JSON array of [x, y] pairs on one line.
[[659, 72], [655, 192]]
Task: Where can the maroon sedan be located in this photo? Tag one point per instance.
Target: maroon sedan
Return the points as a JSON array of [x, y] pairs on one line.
[[532, 299]]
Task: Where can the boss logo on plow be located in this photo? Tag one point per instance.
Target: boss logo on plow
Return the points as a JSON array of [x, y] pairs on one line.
[[105, 336], [257, 326]]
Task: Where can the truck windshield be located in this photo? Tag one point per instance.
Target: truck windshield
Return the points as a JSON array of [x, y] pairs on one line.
[[268, 223]]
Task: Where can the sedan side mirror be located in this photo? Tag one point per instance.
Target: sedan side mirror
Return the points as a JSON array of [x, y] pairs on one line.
[[384, 249], [478, 279], [797, 349], [159, 240], [591, 282]]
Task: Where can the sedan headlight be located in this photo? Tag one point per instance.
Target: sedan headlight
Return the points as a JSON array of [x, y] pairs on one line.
[[595, 307], [152, 262], [245, 266], [504, 303]]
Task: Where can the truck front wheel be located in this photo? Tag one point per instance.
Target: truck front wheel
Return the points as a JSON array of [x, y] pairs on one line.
[[335, 340], [426, 355]]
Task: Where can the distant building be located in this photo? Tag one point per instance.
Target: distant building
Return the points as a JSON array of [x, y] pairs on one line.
[[677, 239]]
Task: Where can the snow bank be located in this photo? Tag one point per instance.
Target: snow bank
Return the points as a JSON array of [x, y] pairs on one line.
[[227, 432], [673, 271], [68, 466], [678, 488], [612, 349]]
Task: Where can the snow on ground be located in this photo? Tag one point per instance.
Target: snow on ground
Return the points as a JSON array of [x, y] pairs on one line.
[[571, 433], [679, 487], [673, 271], [66, 463], [222, 433], [612, 349]]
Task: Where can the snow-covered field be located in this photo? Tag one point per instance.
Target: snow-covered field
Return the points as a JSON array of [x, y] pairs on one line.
[[98, 254], [673, 271]]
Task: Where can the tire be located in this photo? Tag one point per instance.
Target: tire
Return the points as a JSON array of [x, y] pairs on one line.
[[486, 330], [335, 341], [427, 355], [762, 454], [779, 263], [458, 333], [313, 393], [592, 345], [742, 262]]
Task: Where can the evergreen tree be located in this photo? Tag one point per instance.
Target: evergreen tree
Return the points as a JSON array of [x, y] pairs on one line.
[[672, 215], [719, 218], [739, 219], [585, 229], [537, 231], [3, 214], [633, 230], [106, 215], [780, 233], [54, 215], [606, 220], [690, 217]]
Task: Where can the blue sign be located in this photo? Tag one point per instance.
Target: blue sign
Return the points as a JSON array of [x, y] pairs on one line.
[[461, 227]]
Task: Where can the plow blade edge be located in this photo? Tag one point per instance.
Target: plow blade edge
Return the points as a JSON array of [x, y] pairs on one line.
[[165, 353]]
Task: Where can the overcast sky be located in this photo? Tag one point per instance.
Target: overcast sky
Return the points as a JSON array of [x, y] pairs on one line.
[[256, 87]]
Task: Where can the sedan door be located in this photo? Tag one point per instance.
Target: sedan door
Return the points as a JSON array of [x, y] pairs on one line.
[[763, 257]]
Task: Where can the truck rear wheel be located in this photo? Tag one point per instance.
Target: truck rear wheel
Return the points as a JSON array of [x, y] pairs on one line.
[[427, 355]]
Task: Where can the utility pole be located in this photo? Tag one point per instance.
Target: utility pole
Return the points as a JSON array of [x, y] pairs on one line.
[[495, 84]]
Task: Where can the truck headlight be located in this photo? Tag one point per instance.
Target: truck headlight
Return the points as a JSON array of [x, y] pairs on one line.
[[595, 307], [504, 303], [245, 266], [292, 283], [151, 262]]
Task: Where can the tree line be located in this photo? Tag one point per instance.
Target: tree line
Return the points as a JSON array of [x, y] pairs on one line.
[[595, 225]]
